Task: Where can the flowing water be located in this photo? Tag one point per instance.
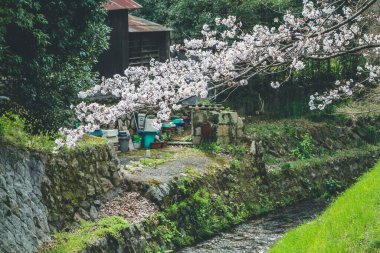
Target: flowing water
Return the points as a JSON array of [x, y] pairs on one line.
[[259, 234]]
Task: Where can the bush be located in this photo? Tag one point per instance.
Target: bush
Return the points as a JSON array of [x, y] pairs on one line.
[[47, 53], [304, 148], [13, 129]]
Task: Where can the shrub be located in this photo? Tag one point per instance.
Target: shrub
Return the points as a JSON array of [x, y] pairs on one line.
[[304, 148], [235, 164], [371, 134], [13, 129], [47, 53]]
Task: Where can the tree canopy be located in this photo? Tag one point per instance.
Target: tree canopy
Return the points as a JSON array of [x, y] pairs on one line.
[[47, 51], [188, 17]]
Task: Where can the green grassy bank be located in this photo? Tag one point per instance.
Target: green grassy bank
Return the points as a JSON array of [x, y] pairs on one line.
[[350, 224]]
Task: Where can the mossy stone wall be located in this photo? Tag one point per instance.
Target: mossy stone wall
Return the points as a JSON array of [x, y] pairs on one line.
[[43, 192], [77, 182]]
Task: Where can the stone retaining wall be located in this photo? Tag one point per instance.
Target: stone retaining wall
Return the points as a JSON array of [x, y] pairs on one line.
[[76, 183], [23, 216], [40, 192]]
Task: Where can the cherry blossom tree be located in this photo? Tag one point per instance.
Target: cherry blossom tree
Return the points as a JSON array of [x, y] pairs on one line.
[[227, 57]]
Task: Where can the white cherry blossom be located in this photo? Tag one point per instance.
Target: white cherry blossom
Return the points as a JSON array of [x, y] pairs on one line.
[[226, 57]]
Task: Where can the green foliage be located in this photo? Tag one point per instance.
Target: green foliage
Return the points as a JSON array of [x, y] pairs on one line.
[[371, 134], [269, 159], [334, 186], [151, 162], [287, 168], [200, 215], [216, 148], [350, 224], [192, 172], [304, 148], [236, 150], [13, 129], [291, 100], [188, 17], [47, 53], [87, 233], [165, 137], [236, 165], [212, 147]]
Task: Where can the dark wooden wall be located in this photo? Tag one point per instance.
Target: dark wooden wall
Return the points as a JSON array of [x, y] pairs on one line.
[[115, 59], [134, 49], [147, 45]]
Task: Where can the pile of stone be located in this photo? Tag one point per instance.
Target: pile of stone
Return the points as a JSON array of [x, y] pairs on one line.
[[216, 126]]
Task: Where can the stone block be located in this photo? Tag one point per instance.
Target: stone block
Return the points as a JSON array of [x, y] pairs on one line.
[[197, 140], [105, 184], [234, 117], [93, 212], [117, 178], [214, 117], [90, 190], [240, 123], [228, 118], [222, 131], [239, 133], [198, 131], [233, 134], [199, 117], [223, 140]]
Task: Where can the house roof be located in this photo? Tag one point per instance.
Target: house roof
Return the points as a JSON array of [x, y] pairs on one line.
[[112, 5], [139, 25]]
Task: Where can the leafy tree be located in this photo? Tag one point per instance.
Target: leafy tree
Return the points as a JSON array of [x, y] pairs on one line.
[[47, 50], [188, 17]]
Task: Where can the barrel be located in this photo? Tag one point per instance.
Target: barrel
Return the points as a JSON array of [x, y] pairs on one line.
[[124, 138]]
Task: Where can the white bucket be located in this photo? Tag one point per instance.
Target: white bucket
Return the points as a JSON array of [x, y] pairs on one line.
[[137, 145]]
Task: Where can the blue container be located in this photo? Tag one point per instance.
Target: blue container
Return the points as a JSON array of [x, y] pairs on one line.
[[148, 139], [178, 122], [97, 133]]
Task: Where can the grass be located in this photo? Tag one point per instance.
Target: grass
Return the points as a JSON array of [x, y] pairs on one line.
[[152, 162], [350, 224], [217, 148], [13, 130], [88, 233]]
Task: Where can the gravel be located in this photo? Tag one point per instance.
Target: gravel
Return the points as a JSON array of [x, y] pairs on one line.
[[130, 205]]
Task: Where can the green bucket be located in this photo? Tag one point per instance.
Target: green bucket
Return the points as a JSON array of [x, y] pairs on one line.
[[136, 139]]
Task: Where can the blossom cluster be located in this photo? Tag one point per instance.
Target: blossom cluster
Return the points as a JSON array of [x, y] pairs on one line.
[[226, 57], [345, 89]]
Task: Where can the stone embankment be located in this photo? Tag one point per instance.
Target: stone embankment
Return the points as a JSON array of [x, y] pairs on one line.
[[41, 193]]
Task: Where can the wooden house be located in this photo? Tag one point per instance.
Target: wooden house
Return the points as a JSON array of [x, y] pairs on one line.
[[133, 41]]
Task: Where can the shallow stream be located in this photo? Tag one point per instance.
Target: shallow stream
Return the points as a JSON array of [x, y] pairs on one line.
[[259, 234]]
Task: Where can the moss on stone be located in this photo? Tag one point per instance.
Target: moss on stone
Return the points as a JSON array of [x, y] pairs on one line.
[[87, 233]]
